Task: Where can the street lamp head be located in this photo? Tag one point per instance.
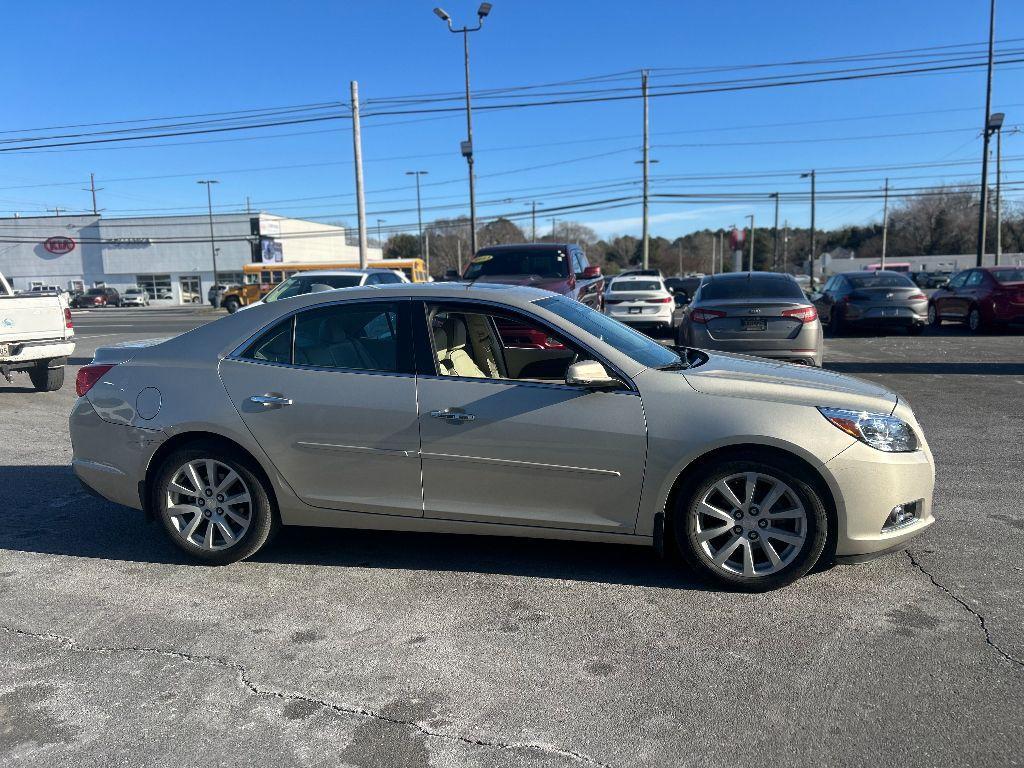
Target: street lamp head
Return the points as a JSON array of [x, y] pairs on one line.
[[483, 10], [995, 121], [441, 14]]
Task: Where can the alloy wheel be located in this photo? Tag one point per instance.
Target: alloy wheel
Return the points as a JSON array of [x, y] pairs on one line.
[[208, 504], [750, 524], [974, 320]]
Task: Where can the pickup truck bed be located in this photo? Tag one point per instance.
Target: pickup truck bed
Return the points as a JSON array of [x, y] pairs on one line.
[[36, 336]]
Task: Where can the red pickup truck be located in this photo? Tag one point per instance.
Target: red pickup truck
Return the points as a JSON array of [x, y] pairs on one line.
[[558, 267]]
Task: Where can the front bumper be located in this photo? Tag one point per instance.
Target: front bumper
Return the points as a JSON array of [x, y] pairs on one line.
[[111, 459], [868, 484]]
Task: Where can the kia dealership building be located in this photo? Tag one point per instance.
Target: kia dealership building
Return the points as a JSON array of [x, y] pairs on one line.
[[169, 256]]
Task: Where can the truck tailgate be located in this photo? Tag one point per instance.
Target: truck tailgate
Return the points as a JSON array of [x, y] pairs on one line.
[[27, 318]]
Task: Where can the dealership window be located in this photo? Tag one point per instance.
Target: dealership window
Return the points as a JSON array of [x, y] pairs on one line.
[[157, 286]]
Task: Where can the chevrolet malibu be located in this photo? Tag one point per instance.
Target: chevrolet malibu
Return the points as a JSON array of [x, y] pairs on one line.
[[419, 408]]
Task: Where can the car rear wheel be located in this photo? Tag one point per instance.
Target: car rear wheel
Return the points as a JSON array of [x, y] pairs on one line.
[[974, 322], [232, 305], [46, 379], [213, 506], [750, 525]]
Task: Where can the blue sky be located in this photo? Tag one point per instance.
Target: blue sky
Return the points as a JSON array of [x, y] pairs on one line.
[[73, 62]]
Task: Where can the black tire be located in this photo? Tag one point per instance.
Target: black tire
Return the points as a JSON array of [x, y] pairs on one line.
[[232, 305], [974, 322], [686, 516], [262, 517], [934, 318], [46, 379], [836, 326]]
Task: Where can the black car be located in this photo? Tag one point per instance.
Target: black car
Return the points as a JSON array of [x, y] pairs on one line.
[[683, 286], [936, 279], [880, 299]]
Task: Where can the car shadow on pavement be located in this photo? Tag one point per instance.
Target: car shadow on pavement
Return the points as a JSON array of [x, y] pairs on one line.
[[48, 512], [962, 369]]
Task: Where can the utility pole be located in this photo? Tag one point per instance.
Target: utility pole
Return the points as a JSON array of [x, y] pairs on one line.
[[785, 246], [999, 195], [814, 237], [554, 223], [681, 256], [248, 204], [458, 254], [467, 145], [533, 221], [885, 223], [357, 149], [426, 252], [419, 213], [721, 251], [986, 133], [750, 264], [92, 188], [775, 235], [56, 211], [213, 244], [645, 248], [380, 240]]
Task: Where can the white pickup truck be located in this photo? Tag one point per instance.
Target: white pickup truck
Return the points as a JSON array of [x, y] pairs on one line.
[[36, 335]]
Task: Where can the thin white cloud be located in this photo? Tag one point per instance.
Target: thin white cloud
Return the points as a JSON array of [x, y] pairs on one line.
[[607, 227]]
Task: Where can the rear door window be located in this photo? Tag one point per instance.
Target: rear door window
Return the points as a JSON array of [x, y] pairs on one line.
[[360, 336]]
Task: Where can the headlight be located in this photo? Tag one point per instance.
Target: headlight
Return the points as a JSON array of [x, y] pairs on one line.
[[886, 433]]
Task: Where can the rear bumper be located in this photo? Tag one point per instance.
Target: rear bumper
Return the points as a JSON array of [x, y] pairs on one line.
[[109, 458], [888, 316], [661, 318], [806, 348], [31, 351]]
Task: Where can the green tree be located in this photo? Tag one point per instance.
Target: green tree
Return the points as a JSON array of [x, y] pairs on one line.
[[402, 246]]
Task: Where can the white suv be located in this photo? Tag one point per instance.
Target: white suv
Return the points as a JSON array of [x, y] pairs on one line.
[[641, 301]]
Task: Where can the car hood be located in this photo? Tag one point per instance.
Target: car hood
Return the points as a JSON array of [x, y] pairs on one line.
[[758, 379], [553, 284]]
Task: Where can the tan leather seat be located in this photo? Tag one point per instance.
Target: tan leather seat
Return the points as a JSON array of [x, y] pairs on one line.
[[451, 340]]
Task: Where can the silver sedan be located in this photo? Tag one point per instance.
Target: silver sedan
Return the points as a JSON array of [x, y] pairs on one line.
[[497, 410], [754, 313]]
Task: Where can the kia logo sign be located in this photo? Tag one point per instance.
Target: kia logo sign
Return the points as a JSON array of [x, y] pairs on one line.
[[59, 245]]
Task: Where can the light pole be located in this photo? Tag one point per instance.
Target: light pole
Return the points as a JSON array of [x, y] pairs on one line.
[[380, 242], [646, 162], [814, 241], [533, 220], [419, 214], [987, 130], [467, 145], [750, 264], [885, 224], [999, 185], [213, 245]]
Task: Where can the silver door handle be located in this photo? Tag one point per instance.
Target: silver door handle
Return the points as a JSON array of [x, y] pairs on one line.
[[270, 401], [454, 417]]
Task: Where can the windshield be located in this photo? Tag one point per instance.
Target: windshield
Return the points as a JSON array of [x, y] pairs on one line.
[[880, 281], [1008, 275], [303, 284], [751, 288], [97, 291], [636, 285], [632, 343], [553, 263]]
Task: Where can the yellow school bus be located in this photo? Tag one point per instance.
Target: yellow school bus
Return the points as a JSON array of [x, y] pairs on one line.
[[260, 278]]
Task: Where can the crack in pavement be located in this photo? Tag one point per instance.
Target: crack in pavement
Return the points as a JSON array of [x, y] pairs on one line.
[[245, 679], [963, 604]]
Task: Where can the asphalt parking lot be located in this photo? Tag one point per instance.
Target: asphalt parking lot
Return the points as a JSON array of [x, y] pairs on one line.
[[384, 649]]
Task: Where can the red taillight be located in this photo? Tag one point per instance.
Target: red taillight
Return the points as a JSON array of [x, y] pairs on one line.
[[88, 375], [666, 300], [704, 316], [67, 318], [803, 314], [916, 297]]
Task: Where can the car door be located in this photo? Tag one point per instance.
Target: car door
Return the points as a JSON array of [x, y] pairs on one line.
[[826, 299], [505, 440], [329, 393], [953, 303]]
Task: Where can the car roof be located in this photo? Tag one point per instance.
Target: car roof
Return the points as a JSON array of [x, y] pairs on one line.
[[862, 272], [525, 247], [334, 272], [747, 276], [515, 295]]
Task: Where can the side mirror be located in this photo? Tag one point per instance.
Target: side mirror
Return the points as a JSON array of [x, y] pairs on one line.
[[590, 272], [592, 375]]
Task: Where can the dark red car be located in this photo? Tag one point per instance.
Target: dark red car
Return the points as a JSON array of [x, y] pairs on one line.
[[980, 298], [98, 297], [557, 267]]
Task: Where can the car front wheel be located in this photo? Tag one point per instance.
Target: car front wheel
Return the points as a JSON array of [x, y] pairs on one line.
[[750, 525], [232, 306], [934, 320], [213, 506], [974, 321]]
